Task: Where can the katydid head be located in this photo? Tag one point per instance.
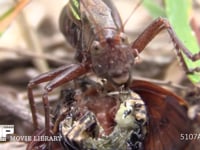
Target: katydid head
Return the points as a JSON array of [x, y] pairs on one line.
[[111, 54], [112, 58]]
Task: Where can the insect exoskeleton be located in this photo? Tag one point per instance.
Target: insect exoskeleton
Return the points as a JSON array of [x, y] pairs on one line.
[[115, 121], [79, 130], [132, 116], [131, 108]]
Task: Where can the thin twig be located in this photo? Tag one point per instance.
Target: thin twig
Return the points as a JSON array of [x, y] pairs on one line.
[[29, 53], [33, 42]]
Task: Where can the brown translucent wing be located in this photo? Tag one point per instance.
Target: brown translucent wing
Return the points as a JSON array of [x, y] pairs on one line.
[[167, 117]]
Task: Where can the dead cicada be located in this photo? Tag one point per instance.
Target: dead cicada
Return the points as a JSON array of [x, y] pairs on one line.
[[144, 117]]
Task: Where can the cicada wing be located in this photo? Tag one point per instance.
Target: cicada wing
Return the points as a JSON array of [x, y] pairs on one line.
[[167, 114]]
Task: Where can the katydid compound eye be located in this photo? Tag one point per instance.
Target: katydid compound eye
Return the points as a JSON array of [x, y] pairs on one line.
[[123, 38], [96, 47]]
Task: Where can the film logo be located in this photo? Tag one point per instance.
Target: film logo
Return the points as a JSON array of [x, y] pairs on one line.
[[6, 130]]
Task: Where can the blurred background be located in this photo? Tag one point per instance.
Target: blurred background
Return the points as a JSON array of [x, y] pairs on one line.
[[33, 44]]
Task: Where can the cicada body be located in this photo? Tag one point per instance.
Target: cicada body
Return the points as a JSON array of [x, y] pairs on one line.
[[144, 117], [105, 122]]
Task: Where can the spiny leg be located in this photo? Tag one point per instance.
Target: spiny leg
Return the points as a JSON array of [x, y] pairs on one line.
[[37, 80], [40, 79], [57, 122], [64, 77], [152, 30]]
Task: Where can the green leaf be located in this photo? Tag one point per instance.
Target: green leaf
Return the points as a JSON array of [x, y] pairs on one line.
[[155, 9], [178, 14]]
